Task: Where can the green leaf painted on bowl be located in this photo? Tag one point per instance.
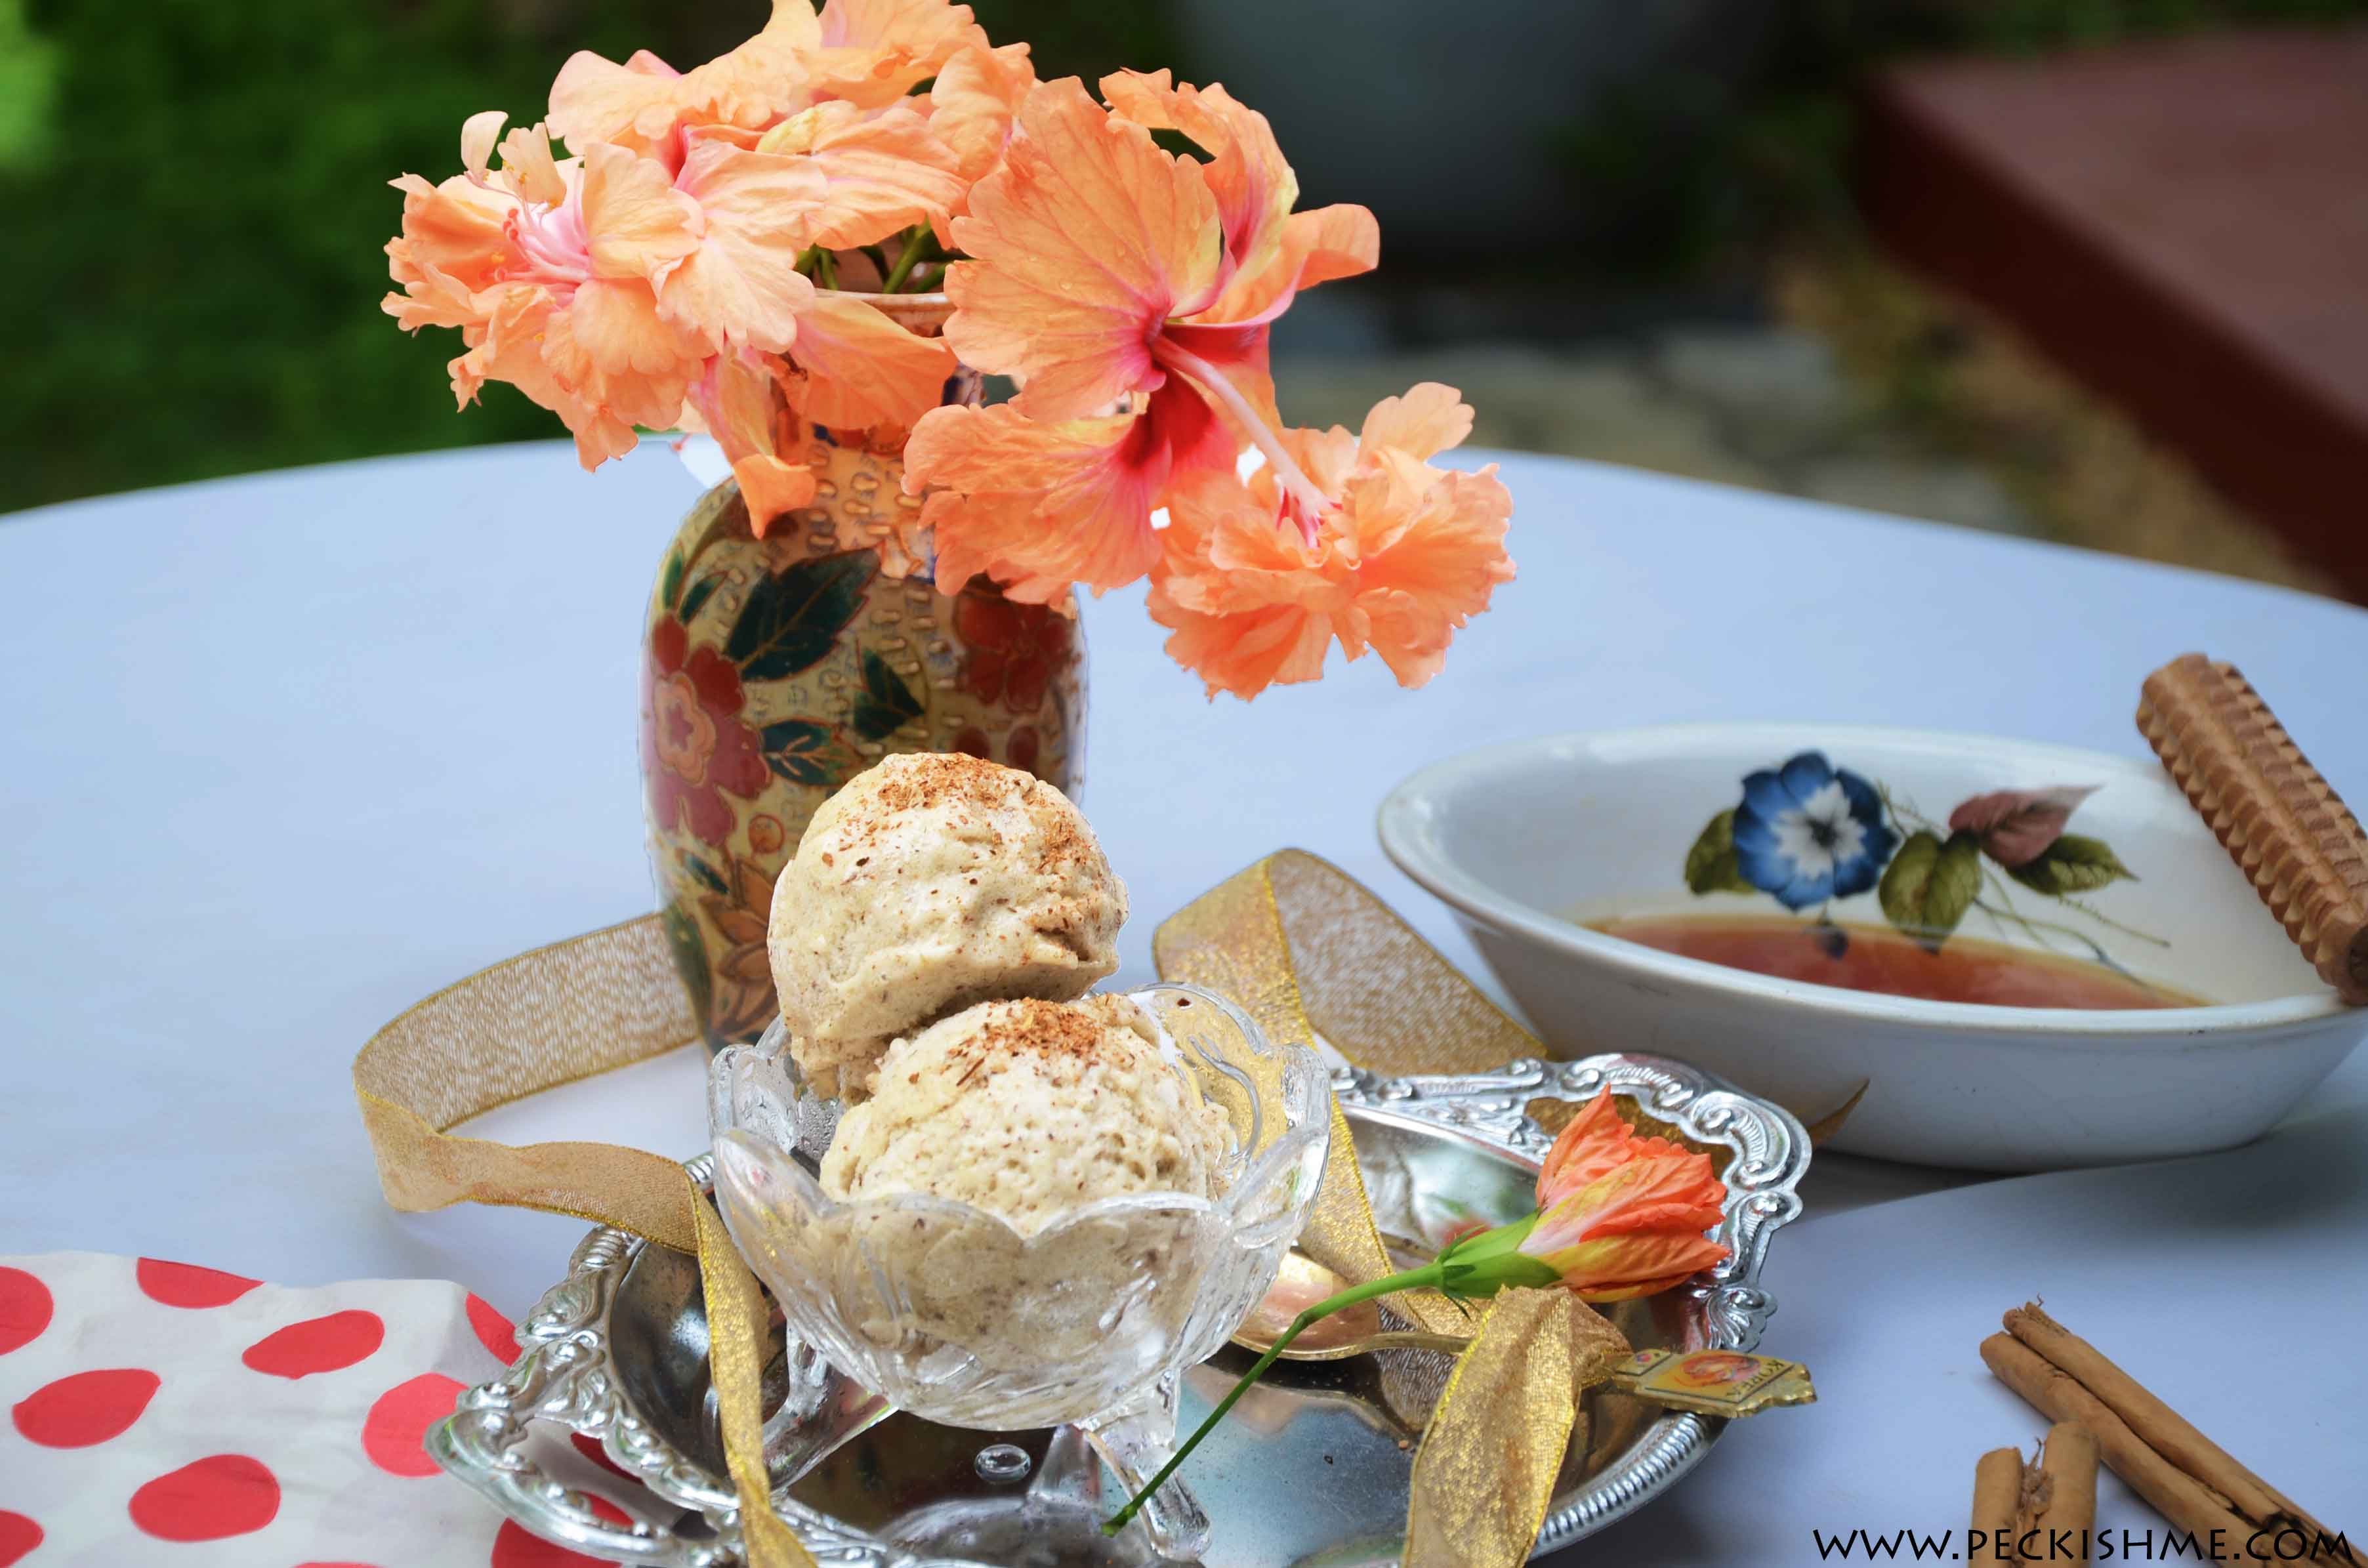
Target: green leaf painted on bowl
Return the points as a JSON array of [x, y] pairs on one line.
[[696, 600], [2074, 863], [1929, 885], [793, 617], [886, 705], [1711, 863]]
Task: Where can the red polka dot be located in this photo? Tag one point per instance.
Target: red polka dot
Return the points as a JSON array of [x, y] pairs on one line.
[[18, 1536], [317, 1345], [589, 1447], [514, 1548], [224, 1495], [494, 1331], [24, 1309], [88, 1407], [397, 1424], [186, 1285]]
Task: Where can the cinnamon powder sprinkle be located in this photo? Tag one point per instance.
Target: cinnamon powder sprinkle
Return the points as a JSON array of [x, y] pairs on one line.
[[1033, 1027], [1062, 840], [950, 781], [926, 780]]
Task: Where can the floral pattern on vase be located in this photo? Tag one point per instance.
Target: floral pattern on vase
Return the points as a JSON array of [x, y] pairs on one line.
[[776, 668], [694, 745]]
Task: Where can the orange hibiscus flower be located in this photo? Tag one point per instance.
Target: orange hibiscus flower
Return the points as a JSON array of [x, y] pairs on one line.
[[1622, 1215], [852, 369], [740, 400], [1105, 272], [599, 287], [704, 261], [607, 288], [868, 53], [1619, 1216], [1405, 554], [973, 107], [881, 171], [874, 52], [644, 104]]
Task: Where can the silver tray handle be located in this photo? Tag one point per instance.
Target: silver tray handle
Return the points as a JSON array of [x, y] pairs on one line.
[[564, 1378]]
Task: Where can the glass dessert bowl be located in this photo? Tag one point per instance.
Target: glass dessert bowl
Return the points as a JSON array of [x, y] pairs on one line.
[[954, 1313]]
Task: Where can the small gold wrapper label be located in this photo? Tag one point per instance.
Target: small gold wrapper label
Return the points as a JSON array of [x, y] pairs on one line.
[[1714, 1382]]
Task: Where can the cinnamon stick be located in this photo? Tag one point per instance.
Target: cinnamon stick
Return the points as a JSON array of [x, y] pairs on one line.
[[2190, 1480], [2067, 1464], [1997, 1498], [2176, 1496], [2277, 816], [2166, 1431]]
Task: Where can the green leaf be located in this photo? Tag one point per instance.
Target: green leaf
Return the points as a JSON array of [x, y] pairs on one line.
[[2074, 863], [696, 600], [670, 581], [887, 703], [1929, 885], [793, 617], [706, 873], [1711, 863], [805, 752]]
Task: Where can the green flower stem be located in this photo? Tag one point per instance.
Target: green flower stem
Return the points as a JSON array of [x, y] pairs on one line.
[[1430, 1275], [2093, 913], [2033, 926], [825, 268], [912, 254]]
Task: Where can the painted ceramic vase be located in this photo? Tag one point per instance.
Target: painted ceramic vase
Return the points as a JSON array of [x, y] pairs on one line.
[[776, 669]]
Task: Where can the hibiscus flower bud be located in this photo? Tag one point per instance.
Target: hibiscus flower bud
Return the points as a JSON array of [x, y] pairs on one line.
[[1619, 1215]]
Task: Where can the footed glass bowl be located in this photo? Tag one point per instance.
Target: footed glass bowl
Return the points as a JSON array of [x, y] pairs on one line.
[[950, 1313]]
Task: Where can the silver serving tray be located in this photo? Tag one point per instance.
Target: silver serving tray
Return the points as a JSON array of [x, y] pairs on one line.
[[1310, 1470]]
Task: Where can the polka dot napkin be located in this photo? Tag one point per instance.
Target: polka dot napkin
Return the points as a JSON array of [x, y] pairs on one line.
[[159, 1412]]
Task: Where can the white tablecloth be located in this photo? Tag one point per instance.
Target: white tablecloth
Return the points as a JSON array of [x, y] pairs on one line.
[[284, 754]]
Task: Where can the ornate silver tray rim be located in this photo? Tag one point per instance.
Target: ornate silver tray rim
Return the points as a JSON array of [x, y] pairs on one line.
[[565, 1374]]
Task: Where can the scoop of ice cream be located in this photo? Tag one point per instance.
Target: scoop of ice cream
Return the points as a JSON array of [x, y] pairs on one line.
[[1021, 1110], [928, 883], [1026, 1108]]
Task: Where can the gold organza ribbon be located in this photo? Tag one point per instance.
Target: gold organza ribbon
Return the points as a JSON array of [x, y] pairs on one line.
[[1302, 947], [1295, 942], [1486, 1469], [534, 1022], [1312, 956]]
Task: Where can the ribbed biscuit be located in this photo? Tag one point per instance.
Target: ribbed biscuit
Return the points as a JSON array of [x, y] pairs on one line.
[[2277, 816]]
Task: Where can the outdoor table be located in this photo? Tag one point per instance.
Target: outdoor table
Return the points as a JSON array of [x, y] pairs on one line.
[[284, 754]]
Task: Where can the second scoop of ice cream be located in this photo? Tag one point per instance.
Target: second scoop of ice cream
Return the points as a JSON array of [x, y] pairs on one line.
[[1026, 1109]]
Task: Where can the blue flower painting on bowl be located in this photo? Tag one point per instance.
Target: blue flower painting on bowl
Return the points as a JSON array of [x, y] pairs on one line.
[[1810, 835], [1808, 831]]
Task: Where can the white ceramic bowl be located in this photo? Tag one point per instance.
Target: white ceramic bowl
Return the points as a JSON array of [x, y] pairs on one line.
[[1528, 840]]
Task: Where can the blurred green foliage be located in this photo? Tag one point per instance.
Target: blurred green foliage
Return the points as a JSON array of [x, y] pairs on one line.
[[198, 198], [28, 76]]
